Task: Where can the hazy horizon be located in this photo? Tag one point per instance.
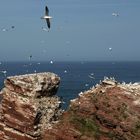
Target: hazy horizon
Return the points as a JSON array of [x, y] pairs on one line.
[[81, 30]]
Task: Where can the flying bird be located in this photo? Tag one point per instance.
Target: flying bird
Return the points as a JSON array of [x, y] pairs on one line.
[[110, 49], [47, 17], [3, 72], [115, 14]]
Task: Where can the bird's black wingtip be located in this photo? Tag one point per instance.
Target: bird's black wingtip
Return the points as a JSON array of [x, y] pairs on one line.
[[46, 8]]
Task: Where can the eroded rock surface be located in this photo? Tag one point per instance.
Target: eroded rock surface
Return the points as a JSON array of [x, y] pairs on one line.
[[30, 110], [29, 106], [108, 111]]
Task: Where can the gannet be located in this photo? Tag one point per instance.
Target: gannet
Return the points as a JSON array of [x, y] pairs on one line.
[[47, 17]]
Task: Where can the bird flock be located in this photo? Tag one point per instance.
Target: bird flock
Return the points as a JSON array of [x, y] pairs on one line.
[[48, 18]]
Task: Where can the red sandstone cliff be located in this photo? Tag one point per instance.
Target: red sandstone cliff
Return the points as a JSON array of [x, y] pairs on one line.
[[29, 105], [30, 110], [109, 111]]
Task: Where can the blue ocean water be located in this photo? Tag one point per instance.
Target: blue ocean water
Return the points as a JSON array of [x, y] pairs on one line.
[[75, 76]]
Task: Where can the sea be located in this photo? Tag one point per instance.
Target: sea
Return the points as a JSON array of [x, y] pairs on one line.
[[75, 77]]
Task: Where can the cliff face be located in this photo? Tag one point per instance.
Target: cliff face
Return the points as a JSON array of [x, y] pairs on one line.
[[29, 105], [30, 110], [107, 111]]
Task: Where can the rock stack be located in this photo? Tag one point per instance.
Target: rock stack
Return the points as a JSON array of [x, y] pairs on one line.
[[29, 106]]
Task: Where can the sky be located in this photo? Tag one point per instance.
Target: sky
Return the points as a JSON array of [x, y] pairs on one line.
[[81, 30]]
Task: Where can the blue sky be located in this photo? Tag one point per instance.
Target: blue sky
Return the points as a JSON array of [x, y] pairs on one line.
[[81, 30]]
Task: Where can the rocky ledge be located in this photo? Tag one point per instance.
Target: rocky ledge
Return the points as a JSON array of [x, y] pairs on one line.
[[108, 111], [29, 106]]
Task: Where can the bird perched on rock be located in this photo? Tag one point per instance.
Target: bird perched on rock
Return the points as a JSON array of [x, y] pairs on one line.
[[47, 17]]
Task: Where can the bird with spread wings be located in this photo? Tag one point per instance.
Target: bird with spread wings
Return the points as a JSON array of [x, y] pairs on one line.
[[47, 17]]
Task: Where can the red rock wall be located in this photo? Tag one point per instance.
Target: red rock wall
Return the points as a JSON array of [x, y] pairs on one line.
[[109, 111], [28, 106]]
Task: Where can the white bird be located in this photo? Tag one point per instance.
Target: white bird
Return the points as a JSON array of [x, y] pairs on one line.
[[47, 17], [3, 72], [51, 62], [110, 49], [90, 76], [4, 29], [86, 85], [115, 14], [65, 71]]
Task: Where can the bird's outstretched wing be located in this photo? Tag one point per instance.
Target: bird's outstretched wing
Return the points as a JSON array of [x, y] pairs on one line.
[[46, 11], [48, 22]]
